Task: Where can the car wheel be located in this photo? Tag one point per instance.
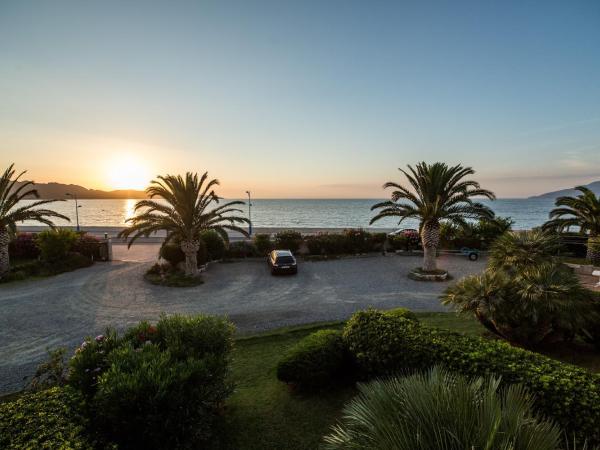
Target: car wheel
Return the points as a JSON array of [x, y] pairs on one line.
[[473, 256]]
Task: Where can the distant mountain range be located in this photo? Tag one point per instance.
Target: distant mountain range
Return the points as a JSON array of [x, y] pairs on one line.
[[595, 187], [59, 190]]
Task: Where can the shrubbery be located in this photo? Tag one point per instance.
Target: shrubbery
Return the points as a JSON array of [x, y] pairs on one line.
[[263, 244], [173, 254], [48, 419], [88, 246], [317, 360], [385, 345], [55, 244], [157, 386], [241, 249], [288, 240], [23, 246], [215, 245]]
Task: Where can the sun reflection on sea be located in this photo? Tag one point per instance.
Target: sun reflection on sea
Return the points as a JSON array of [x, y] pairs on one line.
[[129, 209]]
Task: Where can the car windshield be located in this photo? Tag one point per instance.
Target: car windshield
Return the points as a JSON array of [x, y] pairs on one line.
[[285, 260]]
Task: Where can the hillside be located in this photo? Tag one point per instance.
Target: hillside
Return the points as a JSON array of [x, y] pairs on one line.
[[595, 187], [59, 190]]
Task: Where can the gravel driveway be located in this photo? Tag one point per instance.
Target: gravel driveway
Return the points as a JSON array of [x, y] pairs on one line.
[[61, 310]]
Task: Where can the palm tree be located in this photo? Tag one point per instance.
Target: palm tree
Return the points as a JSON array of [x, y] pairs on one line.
[[11, 193], [187, 213], [441, 410], [582, 211], [441, 194]]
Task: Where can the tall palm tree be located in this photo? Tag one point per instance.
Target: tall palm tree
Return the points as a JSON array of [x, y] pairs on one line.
[[582, 211], [190, 209], [11, 193], [441, 194]]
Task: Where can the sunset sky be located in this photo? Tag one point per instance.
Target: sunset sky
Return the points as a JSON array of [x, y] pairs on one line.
[[301, 99]]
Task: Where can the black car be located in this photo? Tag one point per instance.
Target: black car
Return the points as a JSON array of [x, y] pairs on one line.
[[282, 261]]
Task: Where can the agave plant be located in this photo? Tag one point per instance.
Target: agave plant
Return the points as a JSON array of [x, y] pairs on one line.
[[441, 410], [538, 304], [11, 193], [439, 194], [582, 211], [192, 206], [519, 249]]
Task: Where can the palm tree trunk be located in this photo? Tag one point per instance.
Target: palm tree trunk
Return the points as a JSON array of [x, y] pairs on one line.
[[430, 238], [190, 249], [4, 258]]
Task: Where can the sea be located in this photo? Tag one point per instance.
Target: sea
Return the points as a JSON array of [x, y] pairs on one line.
[[300, 213]]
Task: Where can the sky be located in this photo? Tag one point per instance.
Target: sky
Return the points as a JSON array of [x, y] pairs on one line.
[[302, 99]]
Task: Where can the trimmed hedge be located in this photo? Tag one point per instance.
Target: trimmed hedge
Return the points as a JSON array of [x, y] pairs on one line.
[[318, 360], [384, 345], [46, 419]]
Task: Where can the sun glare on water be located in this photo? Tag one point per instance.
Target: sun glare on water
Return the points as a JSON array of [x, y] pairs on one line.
[[128, 172]]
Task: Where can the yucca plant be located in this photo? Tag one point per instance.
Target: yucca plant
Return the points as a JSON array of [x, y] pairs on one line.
[[582, 211], [11, 193], [518, 249], [537, 304], [443, 411], [192, 206], [437, 193]]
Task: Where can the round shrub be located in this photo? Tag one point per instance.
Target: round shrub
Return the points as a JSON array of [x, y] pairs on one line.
[[288, 240], [55, 244], [263, 244], [215, 245], [149, 399], [318, 360], [173, 254], [88, 246], [23, 246]]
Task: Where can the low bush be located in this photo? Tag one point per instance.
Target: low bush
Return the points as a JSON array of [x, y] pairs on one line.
[[263, 244], [439, 409], [23, 246], [215, 245], [384, 345], [593, 250], [288, 240], [173, 254], [241, 249], [149, 399], [167, 275], [402, 312], [318, 360], [88, 246], [358, 241], [55, 244], [47, 419]]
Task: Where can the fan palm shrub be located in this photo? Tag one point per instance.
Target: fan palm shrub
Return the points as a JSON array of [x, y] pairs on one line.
[[441, 410], [582, 211], [519, 249], [437, 193], [11, 212], [535, 305], [192, 207]]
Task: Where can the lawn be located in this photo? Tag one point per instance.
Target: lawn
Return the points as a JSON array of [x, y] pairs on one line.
[[264, 413]]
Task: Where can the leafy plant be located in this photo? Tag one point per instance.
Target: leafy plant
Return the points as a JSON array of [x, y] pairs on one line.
[[52, 372], [288, 240], [263, 244], [55, 244], [215, 245], [190, 210], [439, 194], [48, 419], [318, 360], [439, 409], [12, 211], [88, 246], [173, 254], [23, 246]]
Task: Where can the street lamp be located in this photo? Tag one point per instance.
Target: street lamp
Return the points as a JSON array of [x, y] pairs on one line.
[[249, 213], [76, 208]]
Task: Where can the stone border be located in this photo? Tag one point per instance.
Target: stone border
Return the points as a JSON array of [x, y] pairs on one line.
[[417, 275]]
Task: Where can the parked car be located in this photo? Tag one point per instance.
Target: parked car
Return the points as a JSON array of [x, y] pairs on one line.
[[282, 261]]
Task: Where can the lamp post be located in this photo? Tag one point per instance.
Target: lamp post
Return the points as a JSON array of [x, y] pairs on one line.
[[74, 196], [249, 213]]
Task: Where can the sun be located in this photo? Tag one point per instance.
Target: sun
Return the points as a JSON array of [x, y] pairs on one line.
[[128, 172]]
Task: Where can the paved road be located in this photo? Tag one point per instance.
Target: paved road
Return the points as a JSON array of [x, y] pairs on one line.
[[61, 310]]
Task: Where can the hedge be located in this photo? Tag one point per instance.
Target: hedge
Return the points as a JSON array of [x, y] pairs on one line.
[[384, 344], [46, 419], [317, 360]]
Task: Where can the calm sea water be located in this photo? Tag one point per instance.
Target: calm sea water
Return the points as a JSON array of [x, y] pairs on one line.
[[296, 213]]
